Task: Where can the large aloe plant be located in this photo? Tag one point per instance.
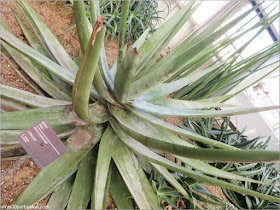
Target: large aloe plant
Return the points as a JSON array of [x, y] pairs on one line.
[[115, 115]]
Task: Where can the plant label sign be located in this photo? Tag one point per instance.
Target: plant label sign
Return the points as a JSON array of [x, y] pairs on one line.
[[42, 144]]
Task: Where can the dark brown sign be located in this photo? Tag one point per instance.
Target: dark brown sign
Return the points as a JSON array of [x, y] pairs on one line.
[[42, 144]]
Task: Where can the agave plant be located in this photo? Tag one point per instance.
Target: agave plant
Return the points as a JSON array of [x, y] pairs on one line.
[[114, 116]]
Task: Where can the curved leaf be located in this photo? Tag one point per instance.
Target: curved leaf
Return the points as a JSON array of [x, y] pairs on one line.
[[140, 149], [218, 155], [86, 72]]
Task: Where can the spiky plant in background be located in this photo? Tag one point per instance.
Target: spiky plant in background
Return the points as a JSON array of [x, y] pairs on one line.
[[141, 16], [221, 131], [114, 118]]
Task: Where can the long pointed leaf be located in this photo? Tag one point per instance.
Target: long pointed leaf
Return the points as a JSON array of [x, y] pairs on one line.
[[33, 54], [174, 65], [218, 155], [170, 36], [121, 36], [144, 130], [43, 50], [201, 34], [181, 104], [31, 40], [83, 184], [170, 112], [155, 40], [39, 78], [151, 156], [81, 24], [135, 178], [60, 196], [107, 146], [119, 192], [168, 88], [53, 44], [30, 98]]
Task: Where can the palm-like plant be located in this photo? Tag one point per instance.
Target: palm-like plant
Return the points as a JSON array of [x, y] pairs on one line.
[[115, 114]]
